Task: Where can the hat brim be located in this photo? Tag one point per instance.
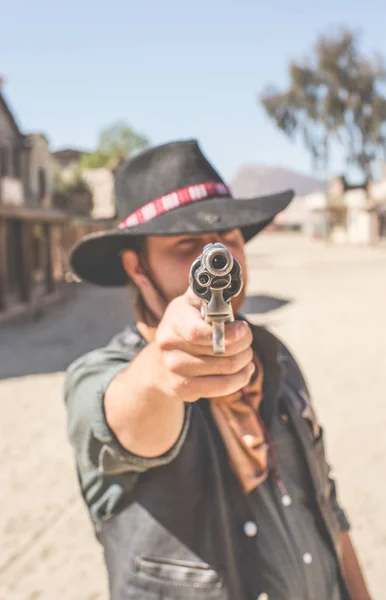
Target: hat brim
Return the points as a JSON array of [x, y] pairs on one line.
[[96, 258]]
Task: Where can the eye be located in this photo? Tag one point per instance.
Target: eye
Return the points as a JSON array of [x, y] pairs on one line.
[[188, 246], [186, 242], [231, 237]]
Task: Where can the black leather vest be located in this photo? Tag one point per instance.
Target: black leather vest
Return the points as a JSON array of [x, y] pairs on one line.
[[181, 534]]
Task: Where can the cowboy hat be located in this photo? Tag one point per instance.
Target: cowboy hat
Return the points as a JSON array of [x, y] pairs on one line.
[[169, 190]]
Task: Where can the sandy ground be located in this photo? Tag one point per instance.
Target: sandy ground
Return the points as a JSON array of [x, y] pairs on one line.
[[328, 303]]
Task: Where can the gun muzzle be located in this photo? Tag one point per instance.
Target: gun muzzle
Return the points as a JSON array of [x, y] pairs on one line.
[[216, 278]]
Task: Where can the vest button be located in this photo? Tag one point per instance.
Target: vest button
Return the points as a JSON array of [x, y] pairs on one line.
[[307, 558], [250, 528], [262, 596], [286, 500]]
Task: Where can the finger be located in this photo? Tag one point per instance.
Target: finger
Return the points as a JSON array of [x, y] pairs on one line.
[[189, 366], [192, 298], [187, 321], [215, 386], [189, 325], [235, 342]]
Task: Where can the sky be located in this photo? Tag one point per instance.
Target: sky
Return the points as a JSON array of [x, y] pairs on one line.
[[171, 69]]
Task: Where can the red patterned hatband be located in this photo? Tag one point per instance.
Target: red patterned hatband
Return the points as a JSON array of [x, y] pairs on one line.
[[178, 198]]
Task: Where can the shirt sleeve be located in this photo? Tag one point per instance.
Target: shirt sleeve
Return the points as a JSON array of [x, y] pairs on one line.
[[106, 469]]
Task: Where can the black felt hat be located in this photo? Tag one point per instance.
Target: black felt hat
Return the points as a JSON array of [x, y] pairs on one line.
[[169, 190]]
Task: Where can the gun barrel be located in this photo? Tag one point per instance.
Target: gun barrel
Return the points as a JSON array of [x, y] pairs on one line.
[[216, 277], [217, 259]]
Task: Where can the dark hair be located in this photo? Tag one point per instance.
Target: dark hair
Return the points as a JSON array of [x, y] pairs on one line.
[[139, 247]]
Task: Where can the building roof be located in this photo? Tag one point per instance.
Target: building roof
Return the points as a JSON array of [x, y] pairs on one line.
[[37, 136], [69, 153], [9, 113], [68, 156]]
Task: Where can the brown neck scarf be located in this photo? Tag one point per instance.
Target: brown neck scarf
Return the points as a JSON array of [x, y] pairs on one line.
[[236, 416]]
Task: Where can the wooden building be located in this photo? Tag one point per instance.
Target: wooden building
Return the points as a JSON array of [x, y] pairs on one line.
[[28, 225], [36, 236]]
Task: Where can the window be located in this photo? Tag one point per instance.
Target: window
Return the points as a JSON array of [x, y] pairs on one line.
[[16, 163], [3, 162], [42, 184]]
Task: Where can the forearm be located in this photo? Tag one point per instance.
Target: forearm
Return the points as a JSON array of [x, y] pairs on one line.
[[146, 419], [354, 578]]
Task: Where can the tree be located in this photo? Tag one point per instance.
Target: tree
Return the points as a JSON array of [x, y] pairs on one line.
[[334, 95], [116, 142]]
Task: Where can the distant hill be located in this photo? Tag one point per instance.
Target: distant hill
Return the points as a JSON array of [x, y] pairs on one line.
[[255, 180]]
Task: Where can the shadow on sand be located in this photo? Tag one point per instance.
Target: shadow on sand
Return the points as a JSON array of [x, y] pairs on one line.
[[85, 321], [259, 305]]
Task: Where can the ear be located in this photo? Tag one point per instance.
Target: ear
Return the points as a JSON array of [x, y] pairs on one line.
[[132, 266]]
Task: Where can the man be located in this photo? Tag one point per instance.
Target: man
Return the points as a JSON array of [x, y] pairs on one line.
[[204, 475]]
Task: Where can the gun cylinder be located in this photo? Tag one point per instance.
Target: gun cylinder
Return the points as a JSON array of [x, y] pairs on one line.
[[215, 277]]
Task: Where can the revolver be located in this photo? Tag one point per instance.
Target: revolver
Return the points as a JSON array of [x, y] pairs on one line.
[[216, 277]]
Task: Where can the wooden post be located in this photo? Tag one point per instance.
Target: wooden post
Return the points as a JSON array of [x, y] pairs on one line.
[[3, 265], [49, 274], [26, 263]]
